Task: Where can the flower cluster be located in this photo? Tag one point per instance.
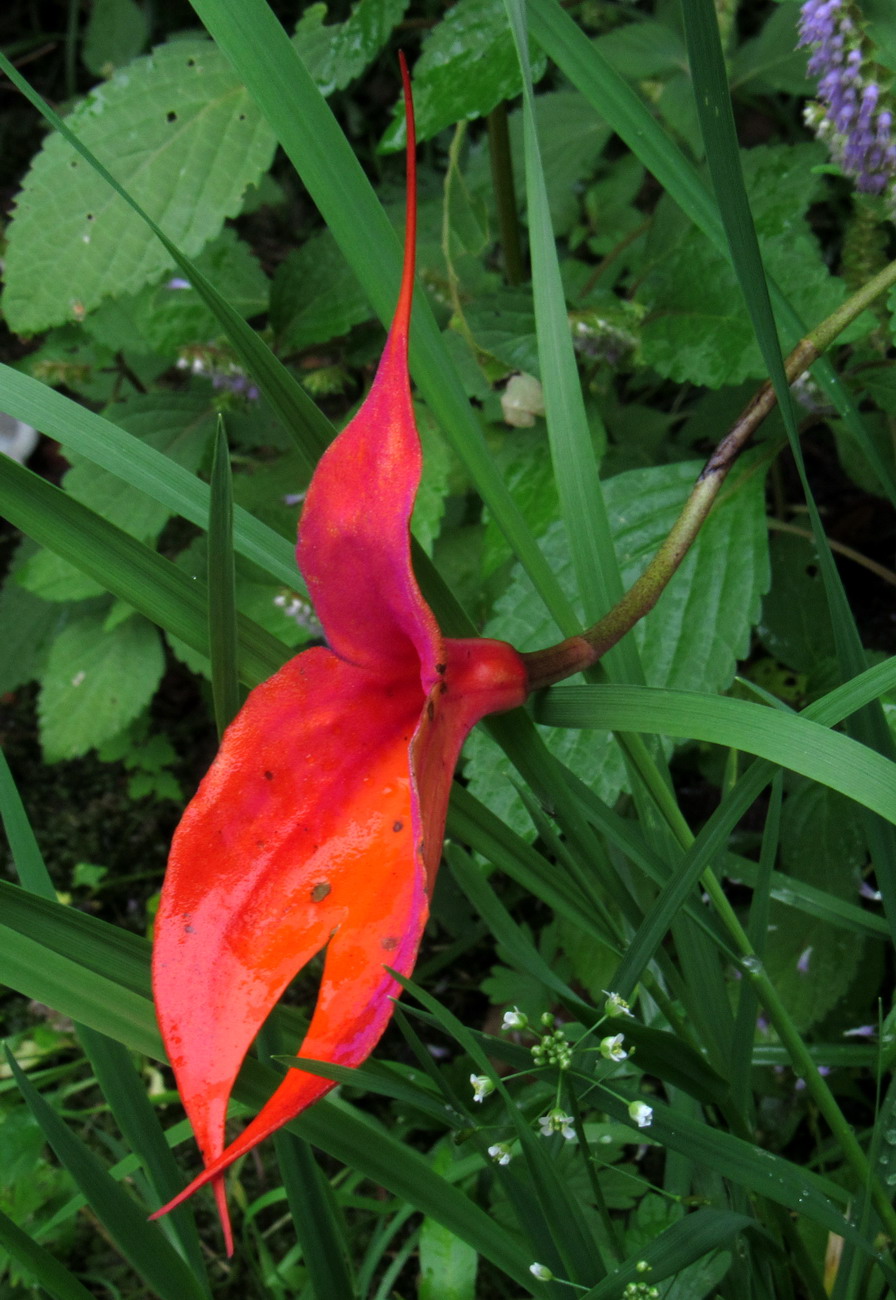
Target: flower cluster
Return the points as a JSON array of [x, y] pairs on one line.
[[854, 113]]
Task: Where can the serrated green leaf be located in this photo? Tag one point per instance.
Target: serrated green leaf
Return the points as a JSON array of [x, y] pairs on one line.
[[315, 296], [691, 640], [181, 133], [698, 329], [466, 68], [772, 60], [116, 31], [29, 626], [336, 54], [96, 682]]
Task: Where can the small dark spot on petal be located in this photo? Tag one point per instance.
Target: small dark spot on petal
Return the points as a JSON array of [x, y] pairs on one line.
[[397, 826], [440, 668], [269, 776], [443, 687], [390, 943], [319, 892], [430, 710], [188, 929], [259, 844]]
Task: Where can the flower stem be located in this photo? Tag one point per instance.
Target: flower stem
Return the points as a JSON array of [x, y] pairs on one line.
[[545, 667]]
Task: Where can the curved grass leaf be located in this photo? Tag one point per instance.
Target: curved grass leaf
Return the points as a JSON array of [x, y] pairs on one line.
[[46, 1270], [143, 579], [141, 1243], [793, 742]]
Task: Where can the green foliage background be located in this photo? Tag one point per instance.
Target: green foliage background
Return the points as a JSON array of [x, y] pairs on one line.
[[706, 826]]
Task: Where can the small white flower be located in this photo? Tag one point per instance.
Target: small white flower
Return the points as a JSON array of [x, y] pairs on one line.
[[514, 1019], [641, 1113], [611, 1048], [541, 1271], [557, 1122], [482, 1086], [500, 1153], [616, 1005]]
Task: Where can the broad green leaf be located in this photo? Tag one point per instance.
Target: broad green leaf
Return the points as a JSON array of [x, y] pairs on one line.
[[503, 325], [466, 68], [96, 682], [336, 53], [812, 964], [691, 640], [181, 133], [315, 296], [116, 32]]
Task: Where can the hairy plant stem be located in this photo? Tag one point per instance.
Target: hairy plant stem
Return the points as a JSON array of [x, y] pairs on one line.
[[555, 663]]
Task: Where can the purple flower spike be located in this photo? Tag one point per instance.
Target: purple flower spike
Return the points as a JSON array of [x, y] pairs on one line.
[[852, 115]]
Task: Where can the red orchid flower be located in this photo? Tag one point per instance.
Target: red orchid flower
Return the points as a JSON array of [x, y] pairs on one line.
[[319, 825]]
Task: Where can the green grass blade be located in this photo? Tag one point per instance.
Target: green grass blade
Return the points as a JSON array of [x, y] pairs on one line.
[[142, 1244], [223, 632], [129, 569], [47, 1271], [572, 449], [793, 742], [26, 854], [93, 999], [142, 466], [316, 1216], [121, 1085], [138, 1120]]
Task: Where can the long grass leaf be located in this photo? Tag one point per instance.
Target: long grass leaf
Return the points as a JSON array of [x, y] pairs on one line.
[[223, 630], [140, 1242], [129, 569], [793, 742], [34, 1259]]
